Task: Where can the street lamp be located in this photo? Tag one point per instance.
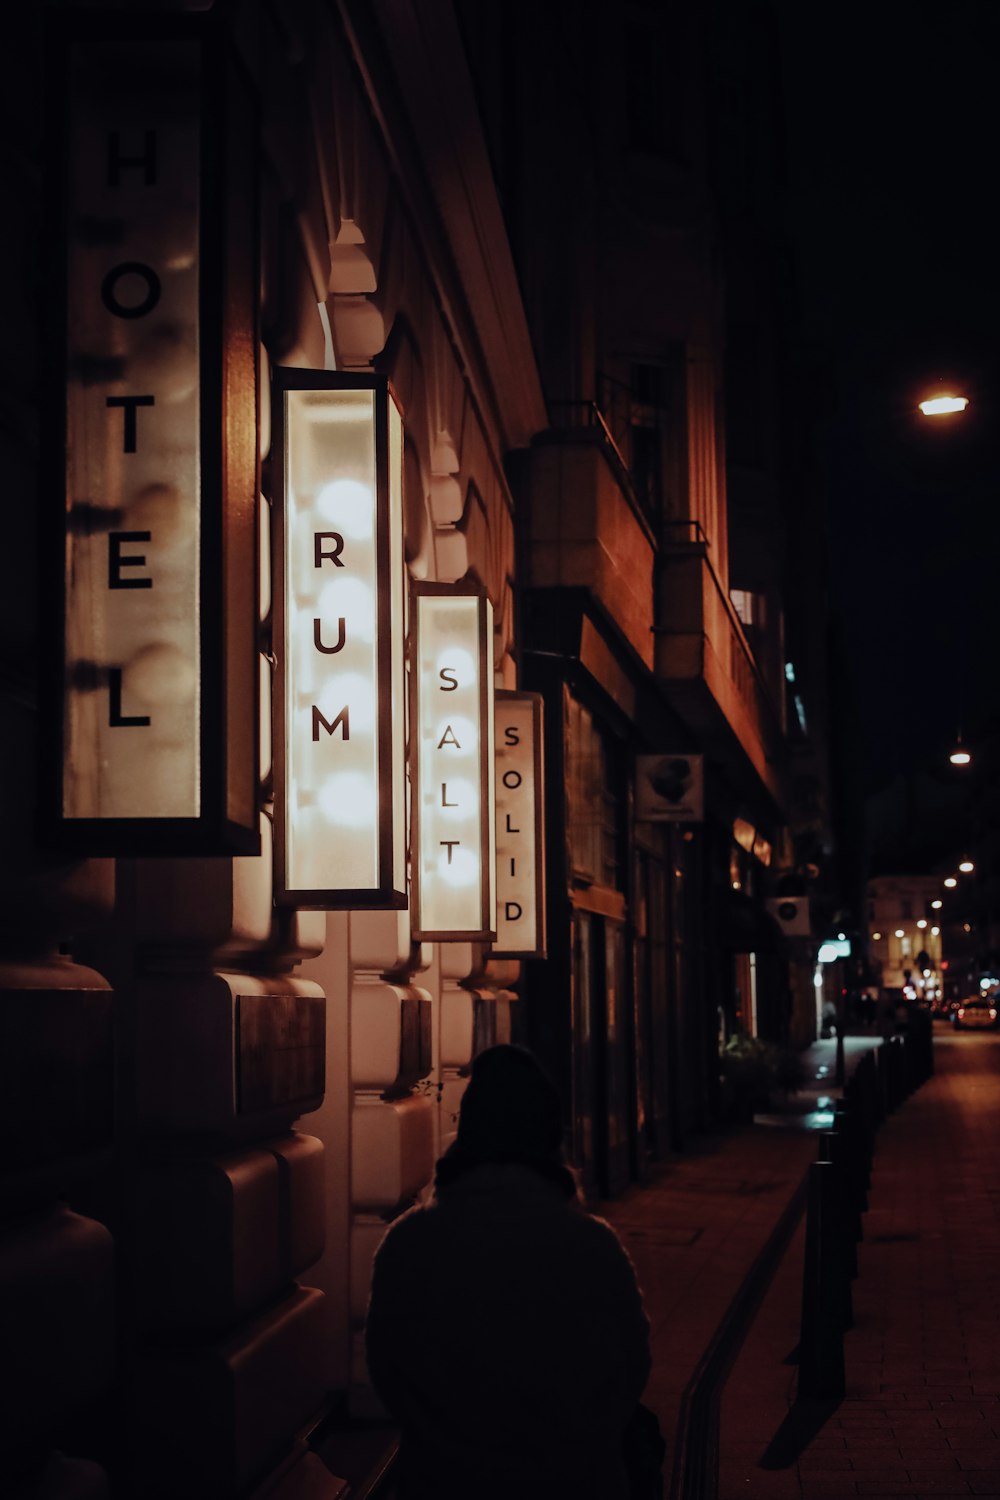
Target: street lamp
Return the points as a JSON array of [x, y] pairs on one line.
[[943, 406], [960, 756]]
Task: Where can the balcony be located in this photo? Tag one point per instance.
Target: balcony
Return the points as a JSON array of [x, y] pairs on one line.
[[585, 528], [704, 662]]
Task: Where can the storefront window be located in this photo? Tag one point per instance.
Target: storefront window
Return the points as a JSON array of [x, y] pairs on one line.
[[592, 808]]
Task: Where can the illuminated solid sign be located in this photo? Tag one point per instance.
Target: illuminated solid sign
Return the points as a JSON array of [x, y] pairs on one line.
[[454, 811], [833, 949], [340, 756], [520, 826], [153, 459]]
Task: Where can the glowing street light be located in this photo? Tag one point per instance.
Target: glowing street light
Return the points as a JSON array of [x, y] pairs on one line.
[[951, 882], [936, 905], [966, 866], [943, 406]]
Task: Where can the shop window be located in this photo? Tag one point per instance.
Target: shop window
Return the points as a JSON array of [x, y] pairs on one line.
[[592, 806]]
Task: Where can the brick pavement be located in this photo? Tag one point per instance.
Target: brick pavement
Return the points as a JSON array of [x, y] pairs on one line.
[[693, 1232], [697, 1227], [921, 1416]]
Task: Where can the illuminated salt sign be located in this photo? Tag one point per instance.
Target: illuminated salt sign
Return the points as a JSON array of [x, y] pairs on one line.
[[339, 642], [520, 827], [153, 455], [454, 814]]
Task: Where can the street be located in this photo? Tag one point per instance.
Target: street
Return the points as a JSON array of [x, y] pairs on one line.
[[922, 1411]]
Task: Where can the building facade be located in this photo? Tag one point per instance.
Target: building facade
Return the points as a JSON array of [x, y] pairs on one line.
[[216, 1096], [905, 936]]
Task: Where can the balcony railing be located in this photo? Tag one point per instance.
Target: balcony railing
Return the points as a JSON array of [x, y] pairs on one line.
[[584, 421], [694, 606]]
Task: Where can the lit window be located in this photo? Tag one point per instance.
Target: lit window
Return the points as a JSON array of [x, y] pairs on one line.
[[743, 605], [801, 714]]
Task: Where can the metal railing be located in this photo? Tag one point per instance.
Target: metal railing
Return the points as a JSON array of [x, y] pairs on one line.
[[742, 664], [586, 417]]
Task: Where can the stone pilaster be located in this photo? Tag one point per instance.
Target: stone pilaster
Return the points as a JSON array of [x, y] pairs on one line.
[[392, 1120]]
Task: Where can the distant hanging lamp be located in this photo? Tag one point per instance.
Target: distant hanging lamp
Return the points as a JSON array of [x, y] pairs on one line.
[[942, 401], [960, 756], [943, 406]]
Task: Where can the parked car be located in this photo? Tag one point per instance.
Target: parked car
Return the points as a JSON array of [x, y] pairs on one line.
[[974, 1012]]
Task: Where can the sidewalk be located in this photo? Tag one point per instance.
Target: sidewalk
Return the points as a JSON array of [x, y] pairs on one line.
[[705, 1235], [921, 1416]]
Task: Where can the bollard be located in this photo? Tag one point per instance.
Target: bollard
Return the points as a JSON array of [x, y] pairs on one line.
[[845, 1123], [843, 1227], [821, 1348], [858, 1097], [868, 1110], [893, 1055], [876, 1088], [882, 1071], [832, 1148]]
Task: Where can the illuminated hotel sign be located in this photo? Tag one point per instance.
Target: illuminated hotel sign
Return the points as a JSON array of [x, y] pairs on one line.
[[520, 827], [454, 811], [153, 451], [340, 755]]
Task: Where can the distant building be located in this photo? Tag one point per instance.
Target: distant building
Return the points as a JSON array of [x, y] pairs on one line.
[[905, 934]]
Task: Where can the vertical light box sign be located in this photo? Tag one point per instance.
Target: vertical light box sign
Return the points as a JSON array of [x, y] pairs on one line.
[[153, 428], [339, 743], [520, 826], [454, 809]]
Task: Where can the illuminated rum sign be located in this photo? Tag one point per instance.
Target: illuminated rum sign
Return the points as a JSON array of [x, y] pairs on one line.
[[153, 451], [340, 751], [454, 825], [520, 827]]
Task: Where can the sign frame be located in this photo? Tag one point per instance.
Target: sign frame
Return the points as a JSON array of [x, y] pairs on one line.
[[224, 745], [534, 703], [688, 806], [389, 891], [485, 932]]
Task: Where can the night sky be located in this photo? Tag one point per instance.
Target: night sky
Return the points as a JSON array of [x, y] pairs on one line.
[[892, 132]]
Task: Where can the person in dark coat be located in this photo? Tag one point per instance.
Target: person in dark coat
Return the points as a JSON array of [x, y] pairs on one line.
[[506, 1334]]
